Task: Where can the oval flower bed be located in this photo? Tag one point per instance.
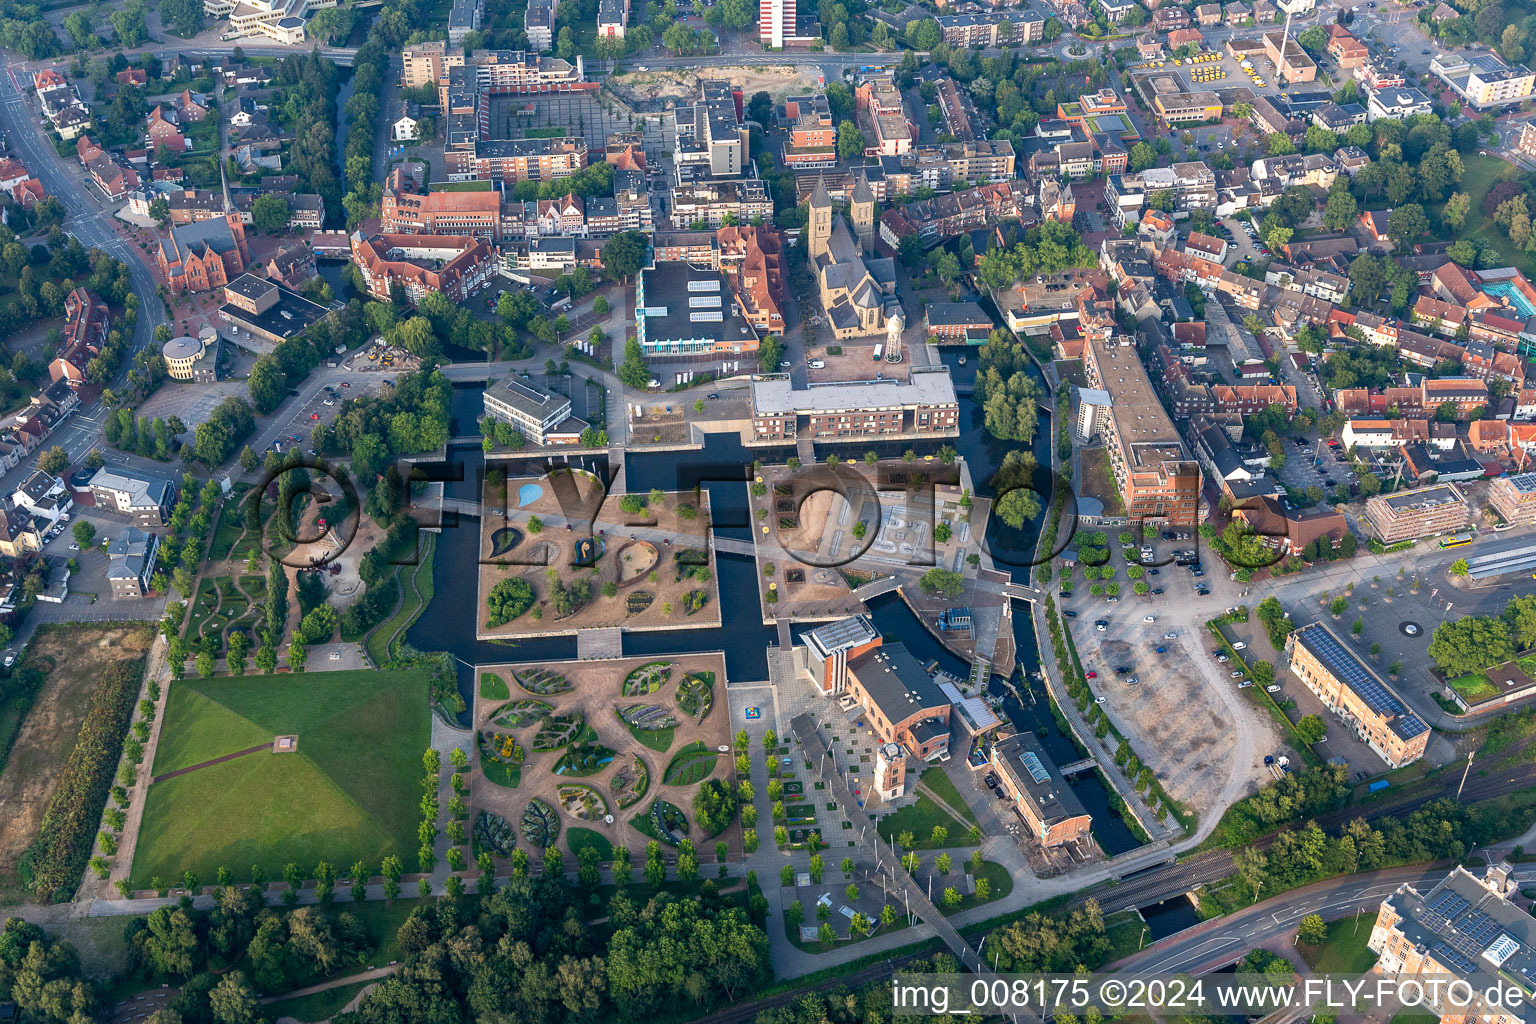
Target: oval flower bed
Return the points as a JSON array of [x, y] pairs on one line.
[[540, 825]]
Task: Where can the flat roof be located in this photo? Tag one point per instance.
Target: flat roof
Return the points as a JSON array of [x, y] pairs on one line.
[[289, 315], [841, 635], [1424, 497], [526, 397], [776, 394], [683, 302], [1468, 928], [1372, 690]]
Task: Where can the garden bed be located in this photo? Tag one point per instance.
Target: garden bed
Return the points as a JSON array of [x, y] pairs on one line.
[[692, 764]]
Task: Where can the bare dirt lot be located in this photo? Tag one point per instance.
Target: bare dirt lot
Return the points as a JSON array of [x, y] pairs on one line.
[[1172, 718], [74, 657], [683, 84]]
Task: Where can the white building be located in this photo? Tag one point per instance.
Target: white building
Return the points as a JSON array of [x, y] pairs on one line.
[[1396, 103], [541, 416]]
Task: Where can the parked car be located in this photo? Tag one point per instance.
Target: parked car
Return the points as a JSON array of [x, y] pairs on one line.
[[1240, 645], [1091, 674], [1069, 613], [1272, 688], [1102, 625], [1171, 635], [817, 364]]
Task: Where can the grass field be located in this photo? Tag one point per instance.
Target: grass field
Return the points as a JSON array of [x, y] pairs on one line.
[[493, 687], [577, 838], [944, 788], [45, 726], [1474, 686], [348, 793], [919, 818], [1344, 951], [1480, 174], [997, 877]]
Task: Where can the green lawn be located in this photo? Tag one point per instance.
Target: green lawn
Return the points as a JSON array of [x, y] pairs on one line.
[[1344, 951], [997, 877], [1474, 686], [658, 740], [319, 1006], [493, 687], [943, 787], [577, 838], [348, 793], [919, 818], [1480, 174]]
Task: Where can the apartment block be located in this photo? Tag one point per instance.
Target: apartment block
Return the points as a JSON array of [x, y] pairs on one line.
[[1156, 476], [923, 405], [1514, 497], [1422, 512]]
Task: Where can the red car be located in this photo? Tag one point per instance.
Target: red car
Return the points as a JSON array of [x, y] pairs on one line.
[[314, 415], [1091, 674]]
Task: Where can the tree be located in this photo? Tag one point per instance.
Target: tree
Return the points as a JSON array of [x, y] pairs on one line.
[[232, 1001], [1312, 932], [84, 533], [270, 213], [850, 141], [1142, 156], [942, 583], [924, 34], [624, 254], [1456, 209], [1405, 223], [633, 371], [54, 460], [1252, 867], [1311, 729]]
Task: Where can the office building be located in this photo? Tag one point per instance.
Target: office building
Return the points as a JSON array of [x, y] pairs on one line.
[[710, 133], [145, 500], [540, 415], [1464, 929], [1483, 79], [1355, 694], [1038, 792], [779, 26], [902, 703], [1422, 512], [682, 310], [1514, 497], [194, 359], [131, 559], [824, 652], [455, 265]]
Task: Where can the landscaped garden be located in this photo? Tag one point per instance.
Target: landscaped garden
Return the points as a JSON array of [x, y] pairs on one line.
[[501, 759], [493, 687], [558, 730], [630, 781], [582, 759], [541, 825], [582, 802], [646, 679], [542, 681], [651, 724], [494, 833], [348, 792], [522, 712], [696, 694], [691, 764]]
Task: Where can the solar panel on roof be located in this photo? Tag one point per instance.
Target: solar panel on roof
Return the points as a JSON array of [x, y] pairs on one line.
[[1449, 903], [1351, 671], [1445, 954]]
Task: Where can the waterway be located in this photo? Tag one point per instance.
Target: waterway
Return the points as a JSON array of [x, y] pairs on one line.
[[723, 467], [1169, 917]]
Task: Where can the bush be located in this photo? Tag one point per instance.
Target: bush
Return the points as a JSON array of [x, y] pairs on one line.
[[68, 831], [507, 600]]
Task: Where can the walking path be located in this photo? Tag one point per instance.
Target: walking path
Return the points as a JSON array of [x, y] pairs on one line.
[[128, 841], [373, 974], [217, 760]]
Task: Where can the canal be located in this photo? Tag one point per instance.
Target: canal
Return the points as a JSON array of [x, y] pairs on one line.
[[723, 467]]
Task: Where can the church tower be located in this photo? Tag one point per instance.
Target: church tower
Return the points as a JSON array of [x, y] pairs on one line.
[[862, 210], [818, 229]]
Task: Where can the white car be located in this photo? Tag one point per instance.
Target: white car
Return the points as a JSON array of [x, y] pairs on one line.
[[1150, 618], [1170, 636], [1240, 646], [817, 364]]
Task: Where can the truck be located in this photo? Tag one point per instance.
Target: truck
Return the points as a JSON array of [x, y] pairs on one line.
[[879, 351], [1377, 786]]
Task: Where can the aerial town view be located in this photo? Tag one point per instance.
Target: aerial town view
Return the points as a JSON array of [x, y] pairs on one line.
[[544, 511]]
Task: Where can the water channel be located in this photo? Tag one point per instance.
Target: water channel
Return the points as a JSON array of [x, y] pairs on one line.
[[448, 622]]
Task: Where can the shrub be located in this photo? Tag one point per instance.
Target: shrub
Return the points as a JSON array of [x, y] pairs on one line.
[[507, 600]]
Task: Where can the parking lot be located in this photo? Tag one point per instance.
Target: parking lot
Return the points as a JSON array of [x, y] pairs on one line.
[[1316, 465]]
